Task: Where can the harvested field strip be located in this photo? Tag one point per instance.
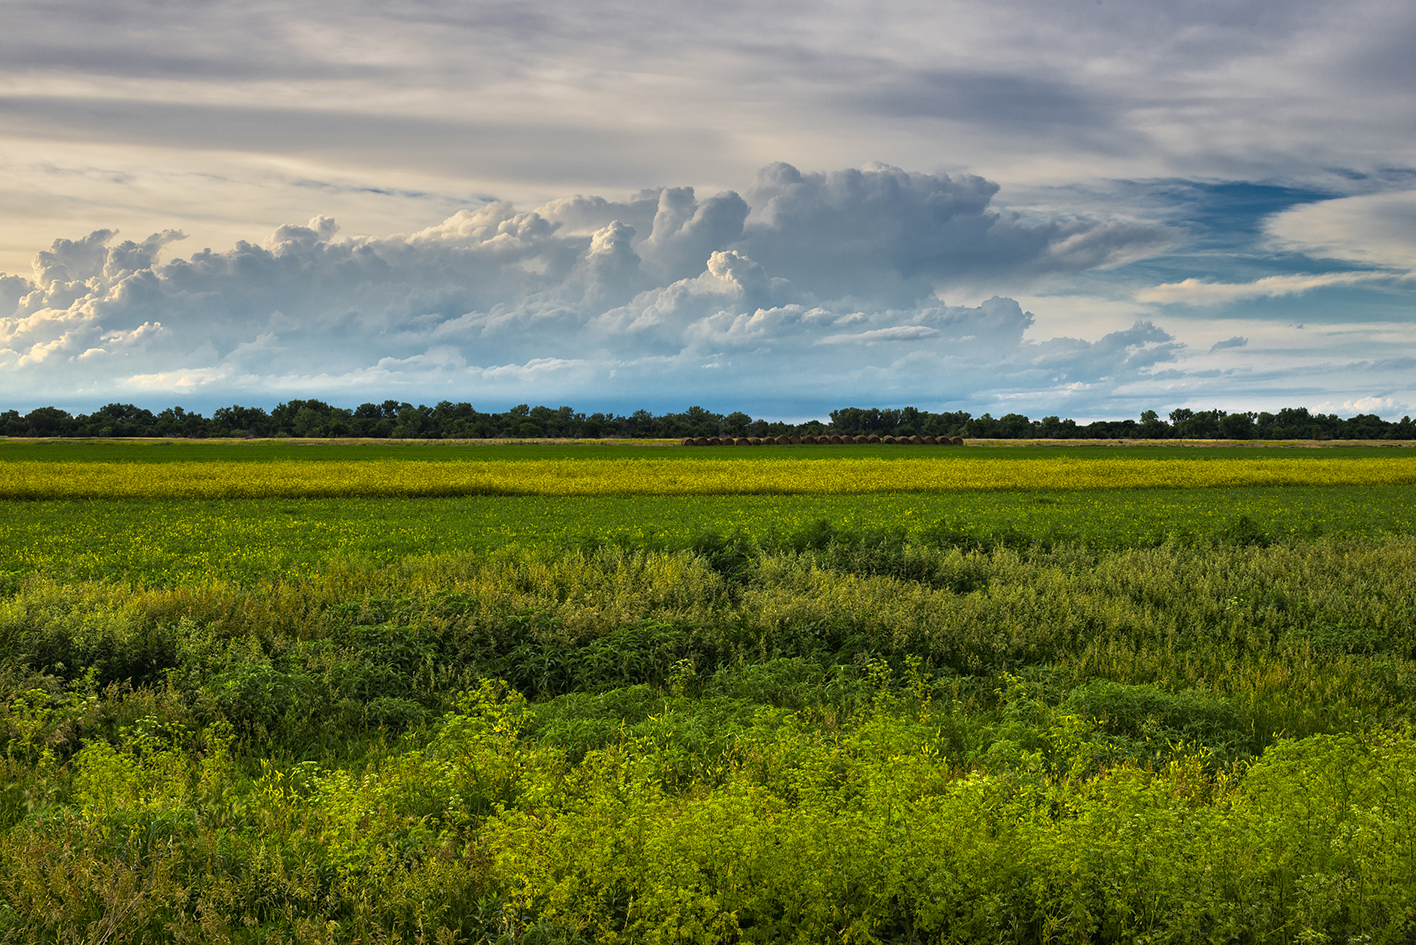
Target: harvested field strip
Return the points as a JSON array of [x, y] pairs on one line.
[[293, 479]]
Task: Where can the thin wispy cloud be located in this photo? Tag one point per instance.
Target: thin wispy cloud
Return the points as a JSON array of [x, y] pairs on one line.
[[1200, 292]]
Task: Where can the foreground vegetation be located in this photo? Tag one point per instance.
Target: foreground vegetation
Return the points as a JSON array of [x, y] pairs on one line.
[[1078, 716]]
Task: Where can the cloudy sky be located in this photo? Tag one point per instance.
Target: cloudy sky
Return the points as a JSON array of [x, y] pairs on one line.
[[1074, 207]]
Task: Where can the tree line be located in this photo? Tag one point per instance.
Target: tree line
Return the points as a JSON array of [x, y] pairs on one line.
[[446, 420]]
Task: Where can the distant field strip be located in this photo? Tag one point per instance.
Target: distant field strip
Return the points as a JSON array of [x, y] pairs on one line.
[[644, 477]]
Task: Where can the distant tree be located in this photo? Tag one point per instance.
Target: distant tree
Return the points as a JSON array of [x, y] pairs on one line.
[[174, 421], [735, 423], [1152, 427], [411, 422], [447, 419], [1237, 426], [984, 426], [1201, 425], [1293, 423], [1015, 426], [240, 421], [1366, 426], [48, 421]]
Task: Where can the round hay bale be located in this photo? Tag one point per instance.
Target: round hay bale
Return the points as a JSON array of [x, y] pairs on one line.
[[929, 441], [780, 440], [872, 438], [700, 441], [887, 439], [794, 439], [742, 441], [917, 440], [715, 441], [754, 441], [835, 439], [956, 440]]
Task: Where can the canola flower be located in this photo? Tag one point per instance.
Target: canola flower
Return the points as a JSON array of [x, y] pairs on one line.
[[646, 477]]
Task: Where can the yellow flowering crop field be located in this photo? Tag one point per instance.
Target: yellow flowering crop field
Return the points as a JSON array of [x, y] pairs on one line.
[[651, 477]]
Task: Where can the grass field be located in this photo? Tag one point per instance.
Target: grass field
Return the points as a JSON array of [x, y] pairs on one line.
[[963, 712], [165, 542]]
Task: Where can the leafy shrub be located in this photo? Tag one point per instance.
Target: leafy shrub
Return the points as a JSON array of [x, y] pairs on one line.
[[71, 636], [1145, 713]]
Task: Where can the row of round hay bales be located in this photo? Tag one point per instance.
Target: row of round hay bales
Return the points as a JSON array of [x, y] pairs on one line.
[[833, 439]]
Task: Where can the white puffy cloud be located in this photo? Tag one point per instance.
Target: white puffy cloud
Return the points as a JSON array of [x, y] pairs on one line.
[[808, 289]]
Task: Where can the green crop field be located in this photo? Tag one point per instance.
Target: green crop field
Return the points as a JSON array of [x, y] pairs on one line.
[[291, 692], [163, 542]]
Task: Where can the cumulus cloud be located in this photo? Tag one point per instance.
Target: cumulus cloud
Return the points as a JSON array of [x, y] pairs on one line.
[[887, 233], [1238, 341], [805, 282], [1384, 406]]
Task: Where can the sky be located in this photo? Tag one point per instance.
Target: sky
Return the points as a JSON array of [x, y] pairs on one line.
[[1080, 208]]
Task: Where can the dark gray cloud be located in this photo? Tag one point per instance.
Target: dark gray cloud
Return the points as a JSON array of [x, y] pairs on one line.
[[549, 153], [1046, 79], [1034, 103]]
